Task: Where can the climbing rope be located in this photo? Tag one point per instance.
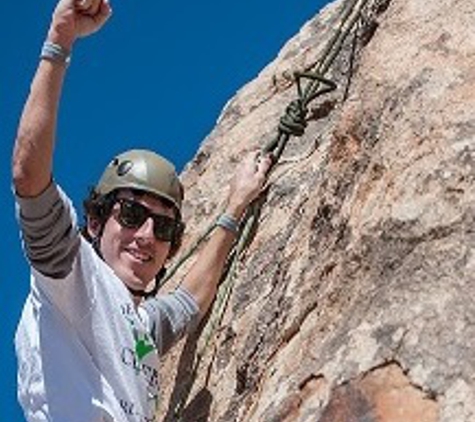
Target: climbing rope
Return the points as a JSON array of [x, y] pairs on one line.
[[292, 123]]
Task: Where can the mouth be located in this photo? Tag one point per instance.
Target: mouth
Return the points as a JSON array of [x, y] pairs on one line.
[[141, 256]]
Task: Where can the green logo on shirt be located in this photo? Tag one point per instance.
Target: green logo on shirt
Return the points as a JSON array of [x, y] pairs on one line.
[[143, 347]]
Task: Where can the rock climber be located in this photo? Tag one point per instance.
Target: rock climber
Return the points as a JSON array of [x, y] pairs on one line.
[[93, 328]]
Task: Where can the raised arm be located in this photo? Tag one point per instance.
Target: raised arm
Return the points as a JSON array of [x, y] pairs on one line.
[[203, 278], [33, 151]]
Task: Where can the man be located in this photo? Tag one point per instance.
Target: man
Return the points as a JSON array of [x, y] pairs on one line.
[[92, 331]]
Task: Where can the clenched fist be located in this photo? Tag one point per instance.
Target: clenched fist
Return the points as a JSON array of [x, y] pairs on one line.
[[77, 18]]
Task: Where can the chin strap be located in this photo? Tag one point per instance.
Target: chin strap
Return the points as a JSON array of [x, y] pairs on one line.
[[146, 294], [137, 293]]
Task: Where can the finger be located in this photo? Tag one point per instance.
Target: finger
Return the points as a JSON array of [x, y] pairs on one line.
[[251, 158], [248, 165], [82, 4], [263, 164], [106, 8], [105, 12], [89, 7]]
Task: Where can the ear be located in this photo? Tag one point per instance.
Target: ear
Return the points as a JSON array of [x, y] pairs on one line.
[[93, 227]]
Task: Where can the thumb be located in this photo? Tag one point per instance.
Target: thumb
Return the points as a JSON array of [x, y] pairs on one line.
[[263, 164]]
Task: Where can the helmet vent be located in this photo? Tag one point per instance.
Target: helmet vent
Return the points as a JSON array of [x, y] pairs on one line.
[[124, 167]]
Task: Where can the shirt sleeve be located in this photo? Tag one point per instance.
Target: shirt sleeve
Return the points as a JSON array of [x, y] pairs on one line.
[[49, 231], [171, 316]]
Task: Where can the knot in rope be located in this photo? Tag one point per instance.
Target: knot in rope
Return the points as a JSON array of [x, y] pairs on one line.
[[293, 121]]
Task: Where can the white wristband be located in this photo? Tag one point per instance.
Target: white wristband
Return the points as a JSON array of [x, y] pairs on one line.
[[228, 222], [55, 53]]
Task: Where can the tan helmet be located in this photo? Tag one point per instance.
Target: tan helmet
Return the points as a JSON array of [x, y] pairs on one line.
[[143, 170]]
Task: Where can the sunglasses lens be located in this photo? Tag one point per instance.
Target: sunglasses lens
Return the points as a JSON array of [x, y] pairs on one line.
[[131, 214], [164, 228]]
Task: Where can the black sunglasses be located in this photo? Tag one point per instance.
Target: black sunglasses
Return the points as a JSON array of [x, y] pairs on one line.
[[133, 215]]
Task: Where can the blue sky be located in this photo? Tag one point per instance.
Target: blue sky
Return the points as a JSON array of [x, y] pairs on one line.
[[156, 76]]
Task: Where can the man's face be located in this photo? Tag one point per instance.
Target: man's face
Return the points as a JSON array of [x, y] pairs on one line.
[[135, 255]]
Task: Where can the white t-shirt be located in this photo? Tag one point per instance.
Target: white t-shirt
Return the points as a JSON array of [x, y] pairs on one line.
[[85, 352]]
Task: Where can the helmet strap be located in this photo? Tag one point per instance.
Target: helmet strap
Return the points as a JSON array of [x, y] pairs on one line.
[[96, 246], [136, 292], [147, 294]]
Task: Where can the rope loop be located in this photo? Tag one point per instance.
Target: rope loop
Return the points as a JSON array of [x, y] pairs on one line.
[[293, 121]]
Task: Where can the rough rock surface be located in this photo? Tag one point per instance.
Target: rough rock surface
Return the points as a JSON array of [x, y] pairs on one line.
[[355, 300]]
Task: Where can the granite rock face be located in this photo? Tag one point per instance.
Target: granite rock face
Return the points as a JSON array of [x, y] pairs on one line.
[[355, 300]]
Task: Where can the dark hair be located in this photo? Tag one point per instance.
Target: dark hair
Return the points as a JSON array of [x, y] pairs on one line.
[[98, 207]]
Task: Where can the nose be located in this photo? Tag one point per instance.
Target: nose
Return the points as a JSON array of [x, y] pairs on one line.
[[145, 231]]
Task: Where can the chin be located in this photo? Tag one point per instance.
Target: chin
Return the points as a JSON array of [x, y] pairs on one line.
[[134, 280]]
